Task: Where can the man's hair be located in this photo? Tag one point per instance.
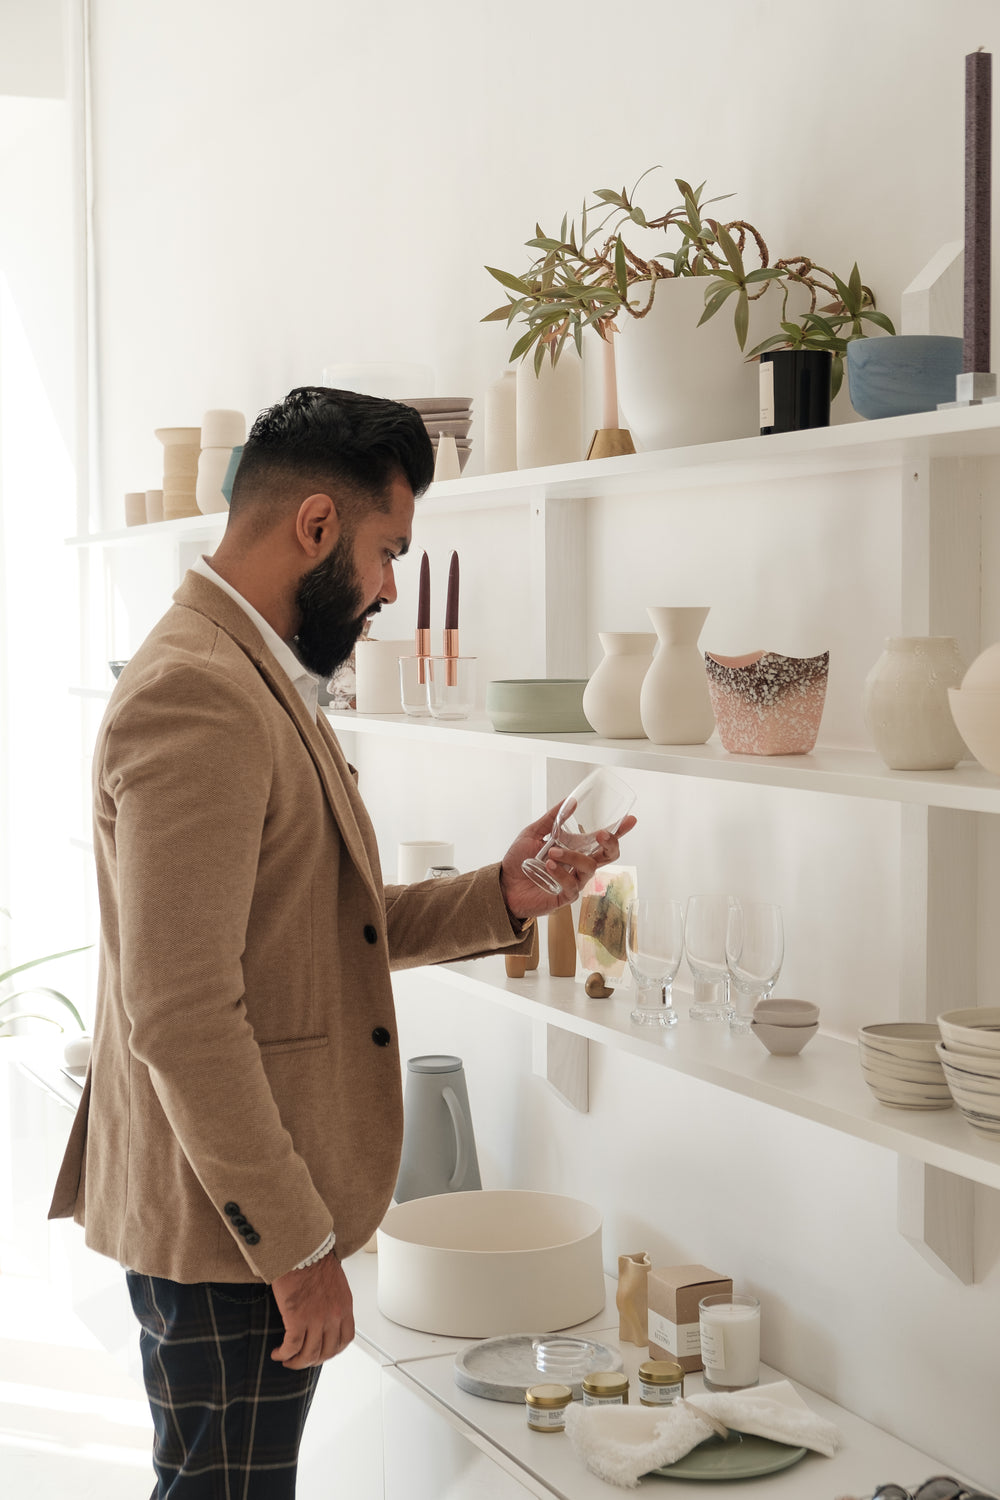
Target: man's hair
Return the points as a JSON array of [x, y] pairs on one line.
[[331, 441]]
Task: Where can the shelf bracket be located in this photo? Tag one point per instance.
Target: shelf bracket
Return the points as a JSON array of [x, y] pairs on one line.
[[936, 1216], [563, 1059]]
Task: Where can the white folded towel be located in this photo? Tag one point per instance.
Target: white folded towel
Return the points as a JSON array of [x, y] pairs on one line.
[[621, 1443]]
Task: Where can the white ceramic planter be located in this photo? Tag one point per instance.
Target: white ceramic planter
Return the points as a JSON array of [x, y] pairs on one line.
[[679, 384], [472, 1265], [674, 703], [549, 412], [611, 697], [906, 703]]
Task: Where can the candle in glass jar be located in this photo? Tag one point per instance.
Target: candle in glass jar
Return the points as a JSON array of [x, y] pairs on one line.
[[729, 1324]]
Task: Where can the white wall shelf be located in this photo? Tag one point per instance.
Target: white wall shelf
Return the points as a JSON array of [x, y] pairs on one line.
[[842, 772], [892, 443], [824, 1083]]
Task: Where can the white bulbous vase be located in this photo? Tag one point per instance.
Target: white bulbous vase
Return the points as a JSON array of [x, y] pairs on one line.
[[611, 697], [906, 704], [549, 411], [674, 702]]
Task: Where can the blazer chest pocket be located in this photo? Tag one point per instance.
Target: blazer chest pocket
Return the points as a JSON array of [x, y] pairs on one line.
[[293, 1044]]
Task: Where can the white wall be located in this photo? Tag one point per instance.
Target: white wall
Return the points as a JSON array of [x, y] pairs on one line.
[[282, 188]]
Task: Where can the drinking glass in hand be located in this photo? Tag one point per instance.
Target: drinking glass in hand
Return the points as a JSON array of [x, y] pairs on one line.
[[705, 924], [597, 805], [755, 948], [654, 943]]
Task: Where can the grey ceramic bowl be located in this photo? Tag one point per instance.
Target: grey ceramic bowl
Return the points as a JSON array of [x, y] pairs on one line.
[[537, 705], [902, 374], [118, 667]]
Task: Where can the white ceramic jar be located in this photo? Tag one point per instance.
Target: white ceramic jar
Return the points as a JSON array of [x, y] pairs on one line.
[[906, 704], [611, 697], [674, 703], [549, 411]]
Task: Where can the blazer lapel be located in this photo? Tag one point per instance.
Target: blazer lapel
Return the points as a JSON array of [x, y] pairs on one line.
[[200, 594]]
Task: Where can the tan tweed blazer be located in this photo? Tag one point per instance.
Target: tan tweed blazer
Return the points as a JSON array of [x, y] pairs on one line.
[[244, 1092]]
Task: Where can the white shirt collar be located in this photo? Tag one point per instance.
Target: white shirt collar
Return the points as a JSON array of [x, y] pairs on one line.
[[302, 680]]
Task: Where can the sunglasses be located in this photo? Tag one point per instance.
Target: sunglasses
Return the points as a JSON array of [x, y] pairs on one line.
[[941, 1488]]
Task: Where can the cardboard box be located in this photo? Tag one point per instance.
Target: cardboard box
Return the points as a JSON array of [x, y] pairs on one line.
[[674, 1294]]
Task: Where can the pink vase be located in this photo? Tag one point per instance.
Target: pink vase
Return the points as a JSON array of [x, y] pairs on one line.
[[766, 704]]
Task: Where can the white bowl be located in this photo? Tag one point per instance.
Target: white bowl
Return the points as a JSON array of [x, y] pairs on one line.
[[916, 1039], [984, 671], [913, 1070], [976, 713], [775, 1012], [783, 1041], [472, 1265], [978, 1026], [988, 1124], [977, 1067], [902, 1095]]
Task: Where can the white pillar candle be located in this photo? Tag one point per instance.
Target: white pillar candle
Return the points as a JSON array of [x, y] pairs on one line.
[[730, 1341]]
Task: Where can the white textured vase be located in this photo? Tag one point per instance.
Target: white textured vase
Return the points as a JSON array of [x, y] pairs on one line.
[[674, 703], [611, 697], [500, 425], [181, 448], [679, 384], [906, 704], [549, 415]]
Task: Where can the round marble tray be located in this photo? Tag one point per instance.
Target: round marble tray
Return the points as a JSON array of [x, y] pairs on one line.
[[502, 1369]]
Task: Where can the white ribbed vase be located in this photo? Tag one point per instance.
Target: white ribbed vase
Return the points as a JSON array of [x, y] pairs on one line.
[[674, 703], [906, 704], [611, 697]]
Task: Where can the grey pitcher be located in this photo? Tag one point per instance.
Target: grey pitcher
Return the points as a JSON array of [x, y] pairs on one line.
[[439, 1147]]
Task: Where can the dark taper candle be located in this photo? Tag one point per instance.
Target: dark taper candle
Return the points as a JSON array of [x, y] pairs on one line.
[[423, 642], [978, 116], [451, 608]]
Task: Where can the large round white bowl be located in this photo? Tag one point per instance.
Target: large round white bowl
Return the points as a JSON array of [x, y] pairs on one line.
[[976, 712], [912, 1069], [978, 1066], [900, 1039], [985, 670], [472, 1265], [976, 1026]]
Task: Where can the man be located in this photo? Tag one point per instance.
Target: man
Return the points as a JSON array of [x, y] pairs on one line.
[[240, 1128]]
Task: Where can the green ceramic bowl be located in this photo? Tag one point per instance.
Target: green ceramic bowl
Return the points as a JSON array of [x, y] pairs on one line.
[[537, 705]]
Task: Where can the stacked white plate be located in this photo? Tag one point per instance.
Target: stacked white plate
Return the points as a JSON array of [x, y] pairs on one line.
[[969, 1051], [448, 416], [901, 1067]]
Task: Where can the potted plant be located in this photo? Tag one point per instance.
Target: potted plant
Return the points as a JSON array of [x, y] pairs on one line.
[[674, 385], [62, 1004]]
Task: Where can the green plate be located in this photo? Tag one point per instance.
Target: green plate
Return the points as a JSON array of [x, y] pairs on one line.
[[740, 1456]]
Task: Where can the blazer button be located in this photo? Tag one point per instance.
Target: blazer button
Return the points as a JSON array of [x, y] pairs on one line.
[[371, 936], [253, 1239], [381, 1037], [239, 1222], [232, 1209]]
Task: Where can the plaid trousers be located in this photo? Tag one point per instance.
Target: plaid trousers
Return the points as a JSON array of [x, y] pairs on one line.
[[227, 1419]]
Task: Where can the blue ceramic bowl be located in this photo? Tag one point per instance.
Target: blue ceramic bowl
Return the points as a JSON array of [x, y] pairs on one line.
[[902, 374]]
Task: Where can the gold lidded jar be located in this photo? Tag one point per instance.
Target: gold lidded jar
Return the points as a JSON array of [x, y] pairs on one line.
[[661, 1381], [546, 1407], [605, 1388]]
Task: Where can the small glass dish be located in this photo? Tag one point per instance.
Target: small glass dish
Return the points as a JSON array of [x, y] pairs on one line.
[[567, 1360], [451, 686]]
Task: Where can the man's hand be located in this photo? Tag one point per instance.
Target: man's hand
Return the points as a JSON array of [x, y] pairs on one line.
[[317, 1310], [571, 868]]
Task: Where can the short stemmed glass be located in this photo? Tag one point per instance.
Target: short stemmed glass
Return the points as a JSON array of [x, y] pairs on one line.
[[755, 948], [705, 922], [598, 804], [654, 943]]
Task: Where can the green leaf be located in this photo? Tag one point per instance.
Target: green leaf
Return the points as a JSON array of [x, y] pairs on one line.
[[765, 273], [523, 344], [608, 195], [578, 337], [542, 242], [621, 269], [54, 994], [729, 249], [514, 283], [715, 300], [880, 320], [639, 217], [539, 356], [34, 962], [741, 319], [836, 375], [498, 315], [857, 290]]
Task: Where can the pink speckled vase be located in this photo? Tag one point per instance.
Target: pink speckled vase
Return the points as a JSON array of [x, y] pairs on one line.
[[766, 704]]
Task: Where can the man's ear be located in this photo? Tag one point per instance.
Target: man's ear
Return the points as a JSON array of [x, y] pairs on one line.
[[317, 525]]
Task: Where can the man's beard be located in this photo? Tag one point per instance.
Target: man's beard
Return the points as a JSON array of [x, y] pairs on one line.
[[332, 613]]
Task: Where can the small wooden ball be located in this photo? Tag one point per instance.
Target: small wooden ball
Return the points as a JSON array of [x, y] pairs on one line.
[[595, 986]]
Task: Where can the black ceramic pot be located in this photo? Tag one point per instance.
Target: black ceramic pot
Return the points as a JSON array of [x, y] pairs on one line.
[[795, 389]]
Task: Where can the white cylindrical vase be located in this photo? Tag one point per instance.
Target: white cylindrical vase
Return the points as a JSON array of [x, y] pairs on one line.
[[906, 704], [550, 411], [611, 697], [674, 704], [376, 664], [181, 448], [500, 425]]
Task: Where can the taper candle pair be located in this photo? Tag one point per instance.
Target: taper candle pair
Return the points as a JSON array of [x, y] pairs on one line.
[[422, 648], [442, 685]]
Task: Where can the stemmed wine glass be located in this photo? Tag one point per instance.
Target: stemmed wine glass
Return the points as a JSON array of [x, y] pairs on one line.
[[654, 943], [705, 923], [597, 804], [755, 948]]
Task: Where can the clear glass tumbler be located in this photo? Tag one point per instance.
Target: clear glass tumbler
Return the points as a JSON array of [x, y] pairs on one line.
[[755, 949], [597, 804], [705, 922], [654, 943]]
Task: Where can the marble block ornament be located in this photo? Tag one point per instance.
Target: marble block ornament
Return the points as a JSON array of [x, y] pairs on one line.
[[766, 704]]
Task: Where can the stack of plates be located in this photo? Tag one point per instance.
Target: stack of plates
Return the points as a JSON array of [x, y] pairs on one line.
[[970, 1056], [448, 415], [900, 1064]]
